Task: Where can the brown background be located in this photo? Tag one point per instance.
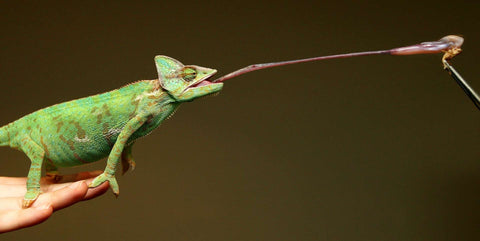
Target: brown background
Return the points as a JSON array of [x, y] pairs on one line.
[[371, 148]]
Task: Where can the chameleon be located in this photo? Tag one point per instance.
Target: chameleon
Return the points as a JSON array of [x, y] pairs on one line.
[[106, 125], [89, 129]]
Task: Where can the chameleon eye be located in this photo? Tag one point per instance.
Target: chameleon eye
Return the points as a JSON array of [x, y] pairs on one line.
[[189, 74]]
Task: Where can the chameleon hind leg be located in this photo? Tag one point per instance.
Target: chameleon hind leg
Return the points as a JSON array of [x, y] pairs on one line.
[[127, 159], [36, 155], [116, 153]]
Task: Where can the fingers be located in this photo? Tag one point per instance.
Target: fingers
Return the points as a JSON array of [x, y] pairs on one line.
[[20, 189], [22, 218], [16, 186], [63, 197], [71, 194], [66, 178], [58, 199]]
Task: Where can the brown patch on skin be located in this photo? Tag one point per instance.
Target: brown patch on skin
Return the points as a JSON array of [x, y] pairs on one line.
[[107, 111], [80, 131], [68, 142], [59, 125], [35, 169], [156, 84], [29, 128], [99, 118], [147, 122], [55, 118], [151, 103], [45, 148], [105, 129], [100, 115], [134, 103], [106, 135], [24, 141]]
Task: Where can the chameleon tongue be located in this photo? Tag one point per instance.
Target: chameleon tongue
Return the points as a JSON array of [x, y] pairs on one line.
[[449, 44], [203, 83]]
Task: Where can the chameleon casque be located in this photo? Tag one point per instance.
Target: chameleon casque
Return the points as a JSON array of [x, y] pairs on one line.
[[89, 129]]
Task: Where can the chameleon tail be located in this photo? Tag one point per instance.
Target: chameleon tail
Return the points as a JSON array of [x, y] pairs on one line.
[[4, 136]]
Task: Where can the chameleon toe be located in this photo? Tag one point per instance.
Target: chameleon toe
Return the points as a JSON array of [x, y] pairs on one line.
[[26, 203]]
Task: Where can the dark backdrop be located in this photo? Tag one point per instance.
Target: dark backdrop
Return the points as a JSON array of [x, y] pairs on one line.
[[370, 148]]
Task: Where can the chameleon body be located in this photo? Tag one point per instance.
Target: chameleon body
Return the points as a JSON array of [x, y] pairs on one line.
[[104, 125]]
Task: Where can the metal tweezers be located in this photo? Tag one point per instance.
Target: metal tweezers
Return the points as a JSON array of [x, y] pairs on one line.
[[463, 84]]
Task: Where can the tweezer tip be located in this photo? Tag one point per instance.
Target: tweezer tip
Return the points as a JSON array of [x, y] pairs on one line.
[[469, 91]]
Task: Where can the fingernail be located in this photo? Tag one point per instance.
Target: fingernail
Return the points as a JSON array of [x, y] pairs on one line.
[[75, 185]]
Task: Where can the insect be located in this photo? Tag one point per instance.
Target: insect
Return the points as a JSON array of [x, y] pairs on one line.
[[106, 125]]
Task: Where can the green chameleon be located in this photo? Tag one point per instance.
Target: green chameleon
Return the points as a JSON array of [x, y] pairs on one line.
[[89, 129]]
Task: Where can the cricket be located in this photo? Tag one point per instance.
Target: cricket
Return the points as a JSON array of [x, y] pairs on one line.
[[106, 125]]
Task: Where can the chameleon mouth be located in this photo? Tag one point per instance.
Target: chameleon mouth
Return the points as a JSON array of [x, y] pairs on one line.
[[202, 83], [206, 84]]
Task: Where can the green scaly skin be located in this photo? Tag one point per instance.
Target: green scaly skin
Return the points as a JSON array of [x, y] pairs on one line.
[[89, 129]]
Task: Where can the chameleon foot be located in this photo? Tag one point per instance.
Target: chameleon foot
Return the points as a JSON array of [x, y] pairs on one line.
[[106, 178], [30, 197]]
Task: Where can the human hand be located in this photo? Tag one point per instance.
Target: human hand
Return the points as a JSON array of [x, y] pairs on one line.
[[55, 196]]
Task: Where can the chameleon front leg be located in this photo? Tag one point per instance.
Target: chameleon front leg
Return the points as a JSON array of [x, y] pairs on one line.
[[36, 155], [115, 154]]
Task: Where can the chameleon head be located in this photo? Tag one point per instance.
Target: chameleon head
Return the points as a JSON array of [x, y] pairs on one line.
[[185, 82]]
